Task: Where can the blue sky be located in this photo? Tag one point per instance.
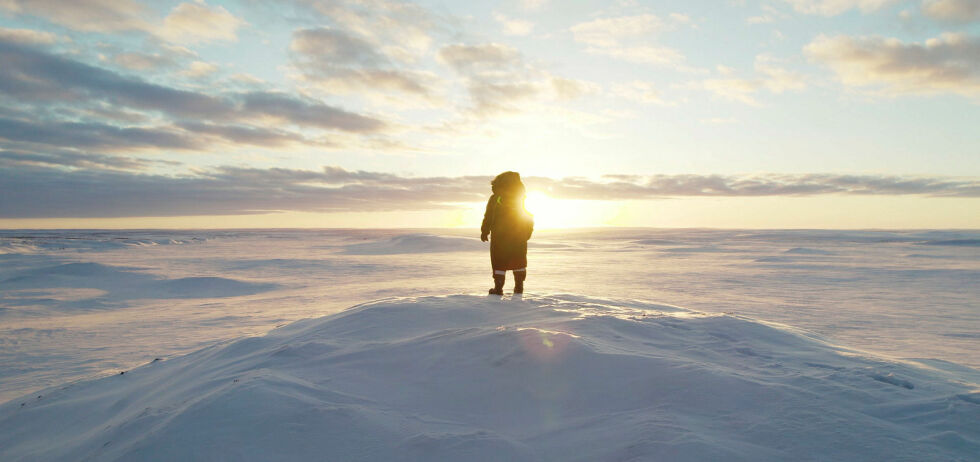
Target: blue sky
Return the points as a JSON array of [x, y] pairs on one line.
[[388, 113]]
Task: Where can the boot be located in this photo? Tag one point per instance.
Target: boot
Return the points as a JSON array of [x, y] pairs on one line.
[[519, 277], [498, 284]]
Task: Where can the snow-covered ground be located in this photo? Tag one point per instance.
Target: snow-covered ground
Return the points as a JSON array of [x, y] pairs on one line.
[[596, 362]]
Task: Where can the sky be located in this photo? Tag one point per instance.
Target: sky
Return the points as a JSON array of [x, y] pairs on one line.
[[383, 113]]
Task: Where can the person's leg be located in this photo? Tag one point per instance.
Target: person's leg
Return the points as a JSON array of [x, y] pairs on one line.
[[519, 276], [498, 282]]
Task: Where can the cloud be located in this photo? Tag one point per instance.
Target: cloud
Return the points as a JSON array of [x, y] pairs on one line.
[[643, 54], [611, 32], [247, 135], [335, 47], [534, 4], [513, 26], [27, 36], [400, 30], [231, 190], [183, 136], [187, 22], [488, 57], [629, 38], [954, 11], [836, 7], [499, 80], [741, 90], [64, 158], [641, 91], [136, 61], [679, 18], [35, 76], [949, 63], [338, 60], [770, 15], [620, 187], [199, 69], [495, 75], [569, 89], [198, 22], [84, 15], [221, 191], [94, 135], [307, 112], [777, 78], [59, 111], [772, 75]]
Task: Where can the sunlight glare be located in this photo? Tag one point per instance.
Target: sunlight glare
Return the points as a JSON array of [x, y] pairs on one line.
[[553, 213]]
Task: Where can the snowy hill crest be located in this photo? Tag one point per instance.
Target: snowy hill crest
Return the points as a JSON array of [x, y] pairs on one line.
[[559, 377]]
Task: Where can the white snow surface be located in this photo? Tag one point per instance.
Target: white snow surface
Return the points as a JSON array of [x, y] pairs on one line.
[[880, 362], [558, 377]]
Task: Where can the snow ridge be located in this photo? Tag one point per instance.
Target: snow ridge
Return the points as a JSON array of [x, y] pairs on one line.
[[556, 377]]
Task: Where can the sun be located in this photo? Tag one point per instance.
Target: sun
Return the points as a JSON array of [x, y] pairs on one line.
[[552, 213]]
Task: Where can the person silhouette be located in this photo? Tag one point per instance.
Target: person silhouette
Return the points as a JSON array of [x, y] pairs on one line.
[[509, 226]]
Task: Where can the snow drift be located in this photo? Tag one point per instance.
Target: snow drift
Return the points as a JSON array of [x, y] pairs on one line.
[[123, 283], [415, 243], [462, 377]]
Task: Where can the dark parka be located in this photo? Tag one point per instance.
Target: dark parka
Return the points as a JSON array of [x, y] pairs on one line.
[[509, 226]]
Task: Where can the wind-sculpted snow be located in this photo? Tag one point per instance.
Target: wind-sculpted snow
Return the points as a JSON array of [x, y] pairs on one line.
[[112, 299], [112, 284], [562, 377], [32, 242], [415, 243]]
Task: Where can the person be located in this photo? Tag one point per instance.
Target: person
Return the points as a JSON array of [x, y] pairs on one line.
[[509, 226]]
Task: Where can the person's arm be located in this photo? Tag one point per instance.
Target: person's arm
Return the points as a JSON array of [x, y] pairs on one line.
[[487, 220], [530, 226]]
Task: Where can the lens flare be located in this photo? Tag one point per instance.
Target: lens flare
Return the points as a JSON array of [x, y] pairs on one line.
[[544, 345]]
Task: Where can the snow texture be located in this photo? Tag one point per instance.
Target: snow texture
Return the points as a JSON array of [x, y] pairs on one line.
[[415, 243], [881, 362], [560, 377]]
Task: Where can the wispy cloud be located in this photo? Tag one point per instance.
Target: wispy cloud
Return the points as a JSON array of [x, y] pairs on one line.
[[189, 22], [137, 61], [229, 190], [40, 79], [27, 36], [617, 187], [629, 38], [340, 61], [952, 11], [305, 112], [69, 158], [612, 32], [400, 30], [200, 69], [835, 7], [85, 15], [513, 26], [949, 63], [640, 91], [771, 74], [500, 80], [199, 22], [94, 135]]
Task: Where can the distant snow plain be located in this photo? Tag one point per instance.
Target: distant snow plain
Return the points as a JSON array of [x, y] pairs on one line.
[[630, 343]]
